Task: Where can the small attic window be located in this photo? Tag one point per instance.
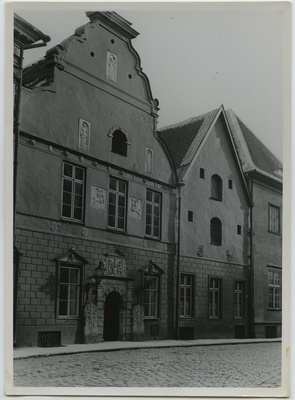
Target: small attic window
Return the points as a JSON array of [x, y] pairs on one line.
[[119, 143]]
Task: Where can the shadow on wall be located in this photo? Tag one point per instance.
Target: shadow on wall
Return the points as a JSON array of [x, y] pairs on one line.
[[49, 287]]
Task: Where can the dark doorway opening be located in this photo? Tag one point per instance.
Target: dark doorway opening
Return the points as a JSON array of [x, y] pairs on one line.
[[111, 327]]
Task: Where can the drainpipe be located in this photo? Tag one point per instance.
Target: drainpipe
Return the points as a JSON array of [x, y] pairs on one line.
[[251, 287], [180, 185], [16, 130]]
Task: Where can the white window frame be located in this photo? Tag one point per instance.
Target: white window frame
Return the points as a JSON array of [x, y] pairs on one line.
[[274, 289], [74, 181], [153, 206], [70, 285], [239, 298], [187, 293], [150, 293], [274, 219], [215, 312], [118, 195]]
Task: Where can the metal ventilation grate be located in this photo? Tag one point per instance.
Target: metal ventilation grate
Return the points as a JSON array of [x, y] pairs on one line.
[[49, 339]]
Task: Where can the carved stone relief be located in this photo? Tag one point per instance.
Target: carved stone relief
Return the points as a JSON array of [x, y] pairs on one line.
[[138, 322], [91, 331], [115, 267], [98, 197], [54, 226], [84, 135], [149, 158], [135, 207], [111, 67], [84, 232]]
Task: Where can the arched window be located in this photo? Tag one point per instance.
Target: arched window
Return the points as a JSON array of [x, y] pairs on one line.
[[216, 231], [216, 187], [119, 143]]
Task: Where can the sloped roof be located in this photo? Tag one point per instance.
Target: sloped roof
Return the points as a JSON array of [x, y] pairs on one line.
[[35, 74], [254, 155], [184, 138]]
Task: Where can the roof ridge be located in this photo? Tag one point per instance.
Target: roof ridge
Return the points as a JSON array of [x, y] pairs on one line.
[[257, 138], [199, 137], [240, 142], [186, 121]]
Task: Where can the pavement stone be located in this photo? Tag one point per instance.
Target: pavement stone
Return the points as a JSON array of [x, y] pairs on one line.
[[232, 365]]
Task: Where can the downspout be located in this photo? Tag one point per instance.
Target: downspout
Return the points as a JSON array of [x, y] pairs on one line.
[[16, 130], [251, 286], [180, 185]]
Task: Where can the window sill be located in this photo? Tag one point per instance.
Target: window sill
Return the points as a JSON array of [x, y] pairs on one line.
[[71, 221], [153, 238], [64, 318], [212, 319], [183, 317], [274, 309], [275, 233], [213, 198], [151, 319], [115, 230], [216, 244]]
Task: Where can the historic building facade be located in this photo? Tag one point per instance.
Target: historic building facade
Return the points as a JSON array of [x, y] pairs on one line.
[[126, 233], [214, 204], [264, 174]]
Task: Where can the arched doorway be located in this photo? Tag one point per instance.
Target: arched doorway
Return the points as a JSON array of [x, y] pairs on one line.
[[111, 327]]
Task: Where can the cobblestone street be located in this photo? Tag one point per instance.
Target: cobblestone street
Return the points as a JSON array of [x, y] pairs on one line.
[[241, 365]]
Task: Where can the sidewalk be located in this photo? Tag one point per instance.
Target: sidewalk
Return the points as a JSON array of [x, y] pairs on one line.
[[26, 352]]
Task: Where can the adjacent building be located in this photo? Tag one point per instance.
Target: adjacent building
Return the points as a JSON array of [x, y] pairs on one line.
[[126, 232]]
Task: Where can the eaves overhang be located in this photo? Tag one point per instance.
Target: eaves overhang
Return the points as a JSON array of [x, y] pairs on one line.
[[26, 34]]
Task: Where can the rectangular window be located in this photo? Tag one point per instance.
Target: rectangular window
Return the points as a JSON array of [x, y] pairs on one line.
[[239, 230], [239, 300], [73, 183], [117, 204], [274, 290], [153, 214], [186, 295], [230, 184], [151, 296], [274, 219], [202, 173], [69, 291], [190, 216], [214, 298]]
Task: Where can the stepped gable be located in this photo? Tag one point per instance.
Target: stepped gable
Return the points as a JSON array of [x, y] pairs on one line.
[[183, 139]]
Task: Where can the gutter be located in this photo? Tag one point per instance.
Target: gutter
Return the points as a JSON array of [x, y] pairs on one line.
[[180, 185]]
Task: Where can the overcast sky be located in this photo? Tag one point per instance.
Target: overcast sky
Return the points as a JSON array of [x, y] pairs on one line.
[[198, 57]]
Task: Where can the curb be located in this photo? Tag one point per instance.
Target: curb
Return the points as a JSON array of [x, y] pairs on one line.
[[144, 347]]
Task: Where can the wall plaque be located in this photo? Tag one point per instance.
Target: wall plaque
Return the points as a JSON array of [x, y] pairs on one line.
[[84, 135], [111, 67], [135, 207], [98, 197]]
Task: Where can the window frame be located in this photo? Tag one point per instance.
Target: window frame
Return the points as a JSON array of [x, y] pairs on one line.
[[79, 285], [214, 233], [74, 181], [217, 181], [186, 286], [219, 291], [153, 206], [270, 230], [240, 294], [272, 290], [117, 195], [120, 149], [156, 276]]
